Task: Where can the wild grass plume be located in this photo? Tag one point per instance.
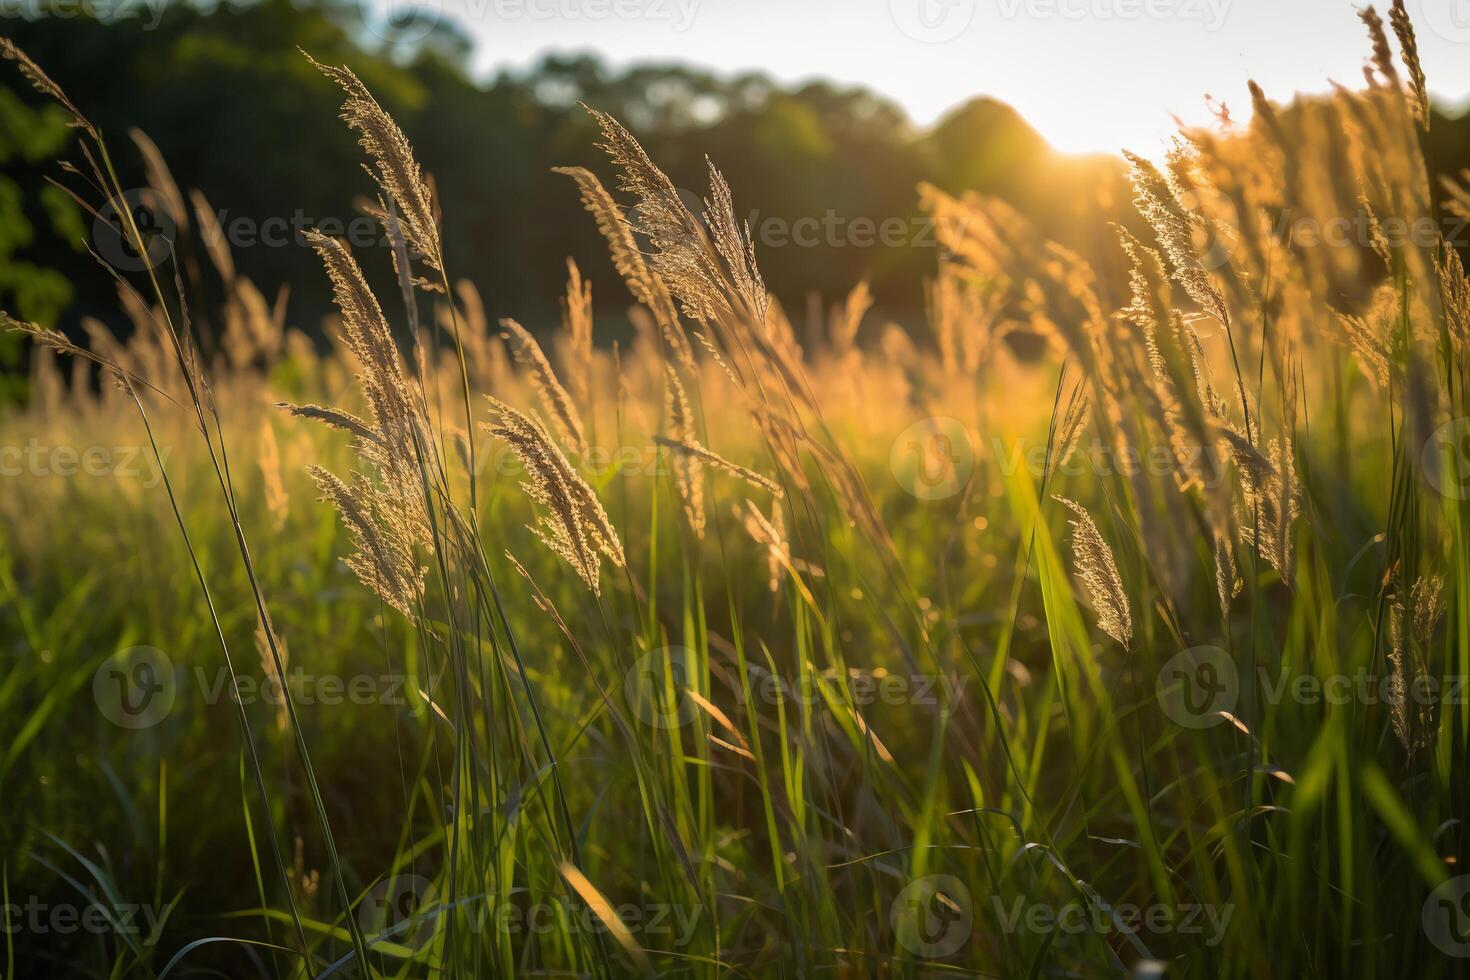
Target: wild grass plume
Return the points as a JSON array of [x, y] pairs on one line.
[[1106, 618]]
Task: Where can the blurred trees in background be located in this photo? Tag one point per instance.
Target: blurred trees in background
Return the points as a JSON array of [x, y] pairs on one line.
[[31, 136], [826, 173]]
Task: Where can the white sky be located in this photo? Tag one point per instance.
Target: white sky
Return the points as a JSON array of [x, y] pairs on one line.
[[1090, 75]]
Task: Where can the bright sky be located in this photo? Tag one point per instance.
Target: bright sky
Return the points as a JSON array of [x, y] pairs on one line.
[[1090, 75]]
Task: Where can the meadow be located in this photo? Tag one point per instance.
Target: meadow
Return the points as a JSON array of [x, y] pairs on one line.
[[1116, 623]]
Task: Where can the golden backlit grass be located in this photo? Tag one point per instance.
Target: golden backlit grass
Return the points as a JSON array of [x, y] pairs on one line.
[[843, 647]]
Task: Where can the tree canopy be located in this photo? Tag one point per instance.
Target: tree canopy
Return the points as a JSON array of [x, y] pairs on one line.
[[826, 173]]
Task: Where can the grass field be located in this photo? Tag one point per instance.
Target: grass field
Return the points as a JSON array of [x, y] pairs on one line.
[[1116, 624]]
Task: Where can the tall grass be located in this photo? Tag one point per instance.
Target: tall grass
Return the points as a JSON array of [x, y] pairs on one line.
[[727, 652]]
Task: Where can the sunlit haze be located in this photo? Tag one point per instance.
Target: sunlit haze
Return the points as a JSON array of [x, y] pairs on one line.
[[1090, 75]]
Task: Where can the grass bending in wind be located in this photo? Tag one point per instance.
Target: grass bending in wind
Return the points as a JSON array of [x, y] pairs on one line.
[[691, 671]]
